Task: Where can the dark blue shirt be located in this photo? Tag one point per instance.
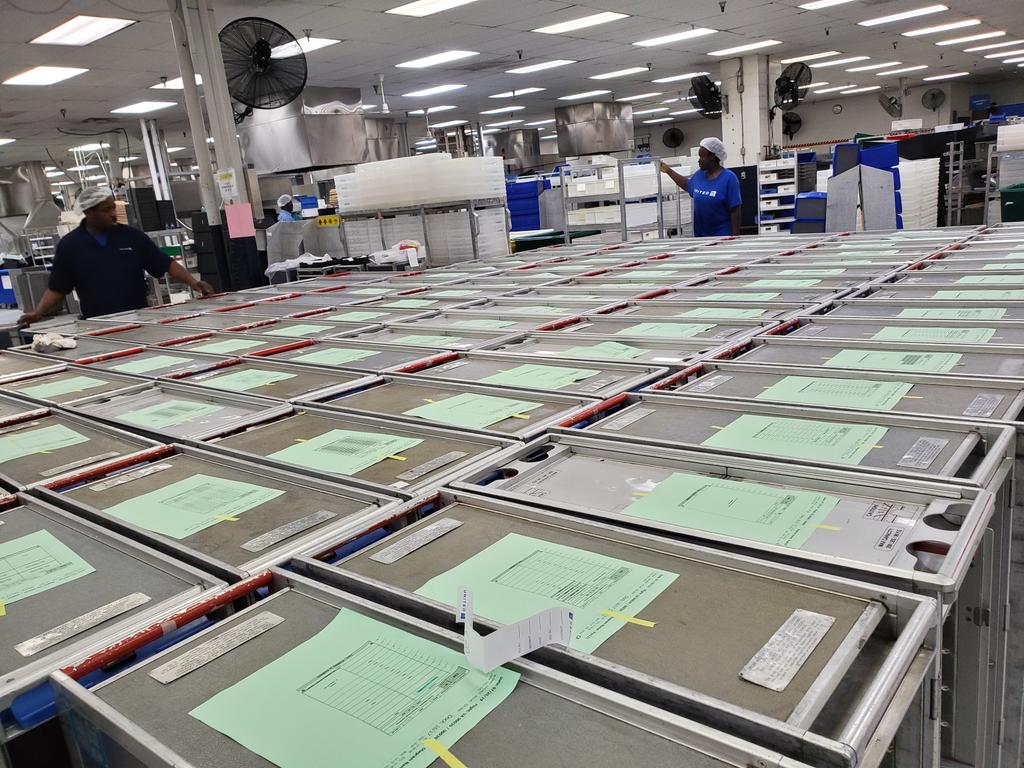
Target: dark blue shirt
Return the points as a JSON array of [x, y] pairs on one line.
[[713, 201], [109, 277]]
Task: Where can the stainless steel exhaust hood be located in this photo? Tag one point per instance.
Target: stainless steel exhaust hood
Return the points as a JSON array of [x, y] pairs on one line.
[[594, 128], [45, 213]]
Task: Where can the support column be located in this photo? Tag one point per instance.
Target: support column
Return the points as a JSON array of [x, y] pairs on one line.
[[748, 91], [156, 157]]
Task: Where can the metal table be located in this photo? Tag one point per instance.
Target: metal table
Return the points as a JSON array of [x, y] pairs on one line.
[[696, 311], [276, 380], [311, 328], [156, 362], [363, 356], [883, 333], [87, 349], [667, 352], [624, 329], [19, 365], [239, 344], [929, 310], [71, 384], [413, 334]]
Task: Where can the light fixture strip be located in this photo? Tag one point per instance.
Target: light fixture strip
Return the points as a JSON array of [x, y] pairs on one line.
[[904, 15], [676, 37], [581, 23]]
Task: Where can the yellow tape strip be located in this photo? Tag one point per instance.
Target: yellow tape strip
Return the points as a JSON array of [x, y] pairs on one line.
[[715, 426], [397, 457], [913, 397], [3, 609], [627, 618], [301, 440], [441, 751], [829, 527], [878, 446], [520, 416], [227, 518]]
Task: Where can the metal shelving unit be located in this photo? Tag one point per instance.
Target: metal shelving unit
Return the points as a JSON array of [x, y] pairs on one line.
[[993, 162], [780, 177]]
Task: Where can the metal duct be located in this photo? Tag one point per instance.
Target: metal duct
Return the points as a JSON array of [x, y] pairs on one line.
[[382, 138], [45, 213], [520, 148], [595, 128]]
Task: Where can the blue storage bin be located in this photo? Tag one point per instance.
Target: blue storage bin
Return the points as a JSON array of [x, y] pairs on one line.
[[6, 289]]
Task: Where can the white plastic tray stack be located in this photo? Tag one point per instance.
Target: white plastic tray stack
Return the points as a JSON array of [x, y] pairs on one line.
[[919, 191]]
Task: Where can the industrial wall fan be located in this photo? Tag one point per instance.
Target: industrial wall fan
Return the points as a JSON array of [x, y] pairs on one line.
[[705, 96], [933, 98], [264, 64], [791, 85], [891, 104], [791, 124], [673, 138]]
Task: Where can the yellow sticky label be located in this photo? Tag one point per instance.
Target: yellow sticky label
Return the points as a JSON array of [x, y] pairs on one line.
[[397, 458], [913, 397], [3, 609], [825, 527], [627, 618], [328, 221], [227, 518], [641, 493], [878, 446], [520, 416], [442, 752], [300, 440]]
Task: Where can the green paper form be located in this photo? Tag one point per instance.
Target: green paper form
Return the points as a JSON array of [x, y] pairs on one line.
[[424, 340], [299, 330], [1013, 265], [980, 295], [606, 350], [410, 303], [147, 364], [991, 280], [966, 313], [917, 362], [666, 330], [371, 291], [454, 294], [534, 376], [483, 323], [727, 312], [961, 335], [228, 345], [32, 441], [243, 381], [519, 576], [860, 394], [359, 693], [345, 452], [35, 563], [768, 283], [56, 388], [798, 438], [541, 309], [188, 506], [781, 516], [169, 414], [472, 410], [355, 317], [335, 356], [741, 296]]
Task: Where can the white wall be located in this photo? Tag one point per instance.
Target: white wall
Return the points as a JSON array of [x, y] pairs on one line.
[[694, 130]]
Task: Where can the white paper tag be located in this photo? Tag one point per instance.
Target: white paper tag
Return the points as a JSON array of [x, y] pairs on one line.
[[415, 540], [983, 406], [79, 624], [286, 531], [549, 627], [631, 416], [778, 661], [127, 477], [54, 471], [429, 466], [922, 453], [707, 384]]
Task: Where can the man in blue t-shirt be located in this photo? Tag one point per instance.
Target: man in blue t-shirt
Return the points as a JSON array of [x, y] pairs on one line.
[[715, 191]]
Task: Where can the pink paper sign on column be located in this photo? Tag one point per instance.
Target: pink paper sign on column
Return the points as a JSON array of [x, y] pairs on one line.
[[239, 219]]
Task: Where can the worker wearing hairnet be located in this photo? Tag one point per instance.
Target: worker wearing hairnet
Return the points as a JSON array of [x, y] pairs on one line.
[[288, 210], [104, 261], [715, 191]]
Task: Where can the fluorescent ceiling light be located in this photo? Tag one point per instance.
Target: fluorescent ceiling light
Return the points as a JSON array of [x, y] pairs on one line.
[[450, 124], [901, 70], [993, 46], [438, 58], [517, 92], [675, 78], [581, 23], [97, 177], [618, 73], [866, 89], [210, 140], [684, 112], [816, 85], [503, 123], [1013, 61], [675, 37], [1004, 54], [304, 45], [50, 174], [432, 110], [971, 38], [840, 62], [640, 96], [670, 101], [811, 57], [946, 76], [584, 95], [744, 48], [175, 85], [142, 107], [83, 168], [651, 111], [44, 75], [833, 89], [427, 7], [924, 11], [503, 110], [817, 5], [535, 123], [432, 91], [427, 141], [551, 136], [487, 131], [127, 159], [869, 67], [529, 68], [82, 30], [89, 147], [171, 150], [659, 120], [62, 184], [942, 28]]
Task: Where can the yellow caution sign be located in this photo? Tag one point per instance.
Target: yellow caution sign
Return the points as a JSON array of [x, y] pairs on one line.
[[328, 221]]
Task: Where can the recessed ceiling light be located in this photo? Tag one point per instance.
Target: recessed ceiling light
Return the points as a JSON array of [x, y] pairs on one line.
[[901, 70], [744, 48], [450, 123], [817, 5], [946, 76], [584, 95], [89, 147], [1013, 61], [684, 112], [651, 111], [942, 28], [142, 107], [44, 75], [865, 89], [869, 67], [640, 96], [550, 136], [82, 30], [432, 91], [427, 7], [993, 46], [51, 174], [659, 120], [529, 68], [676, 78], [535, 123], [903, 15], [581, 23], [816, 85], [833, 89], [619, 73], [675, 37], [303, 45], [432, 110], [503, 110], [97, 177], [670, 101], [971, 38], [175, 85], [487, 131], [840, 62], [438, 58], [811, 57], [517, 92], [127, 159], [503, 123], [172, 150], [62, 184], [1004, 54], [82, 168]]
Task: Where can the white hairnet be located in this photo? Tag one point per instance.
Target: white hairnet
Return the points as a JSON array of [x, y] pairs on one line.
[[715, 147], [283, 200], [90, 197]]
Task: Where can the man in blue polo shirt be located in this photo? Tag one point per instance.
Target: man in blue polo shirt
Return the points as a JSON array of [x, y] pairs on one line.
[[715, 191], [104, 261]]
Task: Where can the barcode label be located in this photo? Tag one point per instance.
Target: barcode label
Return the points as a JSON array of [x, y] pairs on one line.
[[983, 405], [631, 416], [923, 453], [707, 384], [415, 540]]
